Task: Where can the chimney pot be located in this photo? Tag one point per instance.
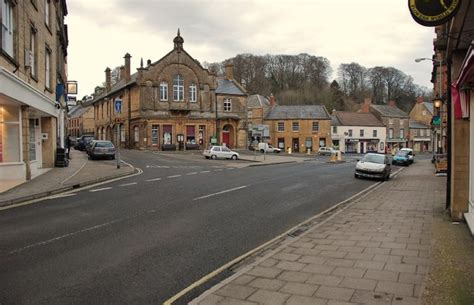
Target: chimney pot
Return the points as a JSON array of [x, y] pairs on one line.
[[272, 100]]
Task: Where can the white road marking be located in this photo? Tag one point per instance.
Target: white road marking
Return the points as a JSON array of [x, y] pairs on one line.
[[61, 196], [174, 176], [221, 192], [204, 172], [154, 179], [218, 170], [230, 168], [192, 173], [101, 189], [128, 184]]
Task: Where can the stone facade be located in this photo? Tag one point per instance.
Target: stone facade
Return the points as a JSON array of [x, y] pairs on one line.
[[171, 104], [32, 76], [81, 120]]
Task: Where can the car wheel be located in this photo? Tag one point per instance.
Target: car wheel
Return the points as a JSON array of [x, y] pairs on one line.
[[262, 151], [277, 151], [234, 157], [213, 157], [112, 158], [356, 176]]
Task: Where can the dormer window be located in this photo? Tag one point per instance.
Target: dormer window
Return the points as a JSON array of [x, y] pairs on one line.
[[193, 93], [178, 88], [163, 91]]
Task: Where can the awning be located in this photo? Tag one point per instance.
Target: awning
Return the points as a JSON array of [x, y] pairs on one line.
[[460, 89]]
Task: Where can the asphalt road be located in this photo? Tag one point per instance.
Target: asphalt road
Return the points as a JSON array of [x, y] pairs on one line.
[[142, 239]]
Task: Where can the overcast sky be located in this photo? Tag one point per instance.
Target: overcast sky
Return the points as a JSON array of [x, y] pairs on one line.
[[369, 32]]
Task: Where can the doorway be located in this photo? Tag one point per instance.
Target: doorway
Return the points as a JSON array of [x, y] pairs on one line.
[[228, 135], [295, 144]]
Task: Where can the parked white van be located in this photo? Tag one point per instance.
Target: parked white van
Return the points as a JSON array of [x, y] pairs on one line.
[[265, 147]]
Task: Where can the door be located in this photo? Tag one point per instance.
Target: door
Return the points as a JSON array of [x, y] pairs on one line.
[[226, 138], [296, 144], [226, 153]]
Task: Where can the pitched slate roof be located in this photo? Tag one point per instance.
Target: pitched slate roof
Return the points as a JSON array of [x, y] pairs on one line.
[[298, 112], [257, 101], [429, 106], [226, 86], [358, 119], [418, 125], [389, 111], [117, 87], [335, 121], [77, 111]]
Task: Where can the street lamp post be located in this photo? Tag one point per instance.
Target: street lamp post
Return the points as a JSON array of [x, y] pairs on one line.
[[438, 103]]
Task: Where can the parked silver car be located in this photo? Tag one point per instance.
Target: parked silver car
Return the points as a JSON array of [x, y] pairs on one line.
[[220, 152], [373, 166], [102, 149]]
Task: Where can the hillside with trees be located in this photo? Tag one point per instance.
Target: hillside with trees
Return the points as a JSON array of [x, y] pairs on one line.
[[305, 79]]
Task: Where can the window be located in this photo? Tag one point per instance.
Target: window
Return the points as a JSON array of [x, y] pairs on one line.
[[427, 132], [361, 132], [390, 133], [390, 121], [334, 129], [154, 134], [47, 68], [178, 88], [136, 134], [167, 134], [350, 132], [423, 112], [374, 133], [193, 93], [249, 114], [227, 105], [122, 133], [315, 126], [402, 122], [190, 134], [7, 26], [402, 133], [32, 140], [281, 126], [33, 55], [9, 134], [415, 132], [163, 91], [295, 126], [47, 13]]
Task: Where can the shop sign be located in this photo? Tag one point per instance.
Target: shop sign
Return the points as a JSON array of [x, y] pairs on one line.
[[213, 140], [433, 12]]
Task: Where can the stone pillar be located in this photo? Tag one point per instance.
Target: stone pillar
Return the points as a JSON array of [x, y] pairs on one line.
[[25, 139]]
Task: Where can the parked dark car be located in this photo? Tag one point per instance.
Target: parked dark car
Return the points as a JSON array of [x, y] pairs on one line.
[[83, 140], [102, 149], [373, 166]]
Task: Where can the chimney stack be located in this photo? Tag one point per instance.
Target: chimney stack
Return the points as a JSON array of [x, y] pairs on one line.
[[272, 101], [392, 103], [420, 100], [229, 71], [108, 80], [122, 72], [127, 66], [366, 105]]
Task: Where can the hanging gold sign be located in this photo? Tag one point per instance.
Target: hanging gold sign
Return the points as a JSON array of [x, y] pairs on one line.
[[433, 12]]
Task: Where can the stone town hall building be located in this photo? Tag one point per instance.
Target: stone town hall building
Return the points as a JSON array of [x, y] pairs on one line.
[[170, 104]]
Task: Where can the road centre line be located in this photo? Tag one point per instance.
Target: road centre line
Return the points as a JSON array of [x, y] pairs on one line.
[[154, 179], [174, 176], [221, 192], [101, 189], [192, 173], [219, 170], [128, 184], [204, 172]]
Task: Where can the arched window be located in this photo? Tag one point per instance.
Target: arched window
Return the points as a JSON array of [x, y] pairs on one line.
[[178, 88], [193, 93], [163, 91]]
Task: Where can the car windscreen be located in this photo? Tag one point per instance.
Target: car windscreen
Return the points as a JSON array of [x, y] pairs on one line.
[[374, 159], [402, 153], [104, 144]]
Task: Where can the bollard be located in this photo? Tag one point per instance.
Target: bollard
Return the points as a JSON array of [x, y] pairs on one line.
[[339, 155], [289, 150], [309, 151], [333, 157]]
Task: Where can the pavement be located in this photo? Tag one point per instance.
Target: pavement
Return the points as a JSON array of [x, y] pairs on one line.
[[79, 173], [376, 250]]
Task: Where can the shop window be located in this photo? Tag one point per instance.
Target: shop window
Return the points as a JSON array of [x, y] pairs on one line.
[[167, 134], [154, 134], [281, 143], [32, 140], [190, 135], [202, 134], [9, 134], [136, 134]]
